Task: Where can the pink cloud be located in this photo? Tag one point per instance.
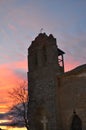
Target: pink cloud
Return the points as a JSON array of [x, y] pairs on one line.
[[70, 62], [20, 65], [71, 65], [15, 65], [12, 27]]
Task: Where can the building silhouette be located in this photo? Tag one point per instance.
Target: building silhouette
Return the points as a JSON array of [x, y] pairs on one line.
[[54, 95]]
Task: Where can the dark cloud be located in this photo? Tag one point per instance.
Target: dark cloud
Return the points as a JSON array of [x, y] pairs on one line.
[[17, 117]]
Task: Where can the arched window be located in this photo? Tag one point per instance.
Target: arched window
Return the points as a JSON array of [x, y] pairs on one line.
[[44, 54], [36, 59], [76, 122]]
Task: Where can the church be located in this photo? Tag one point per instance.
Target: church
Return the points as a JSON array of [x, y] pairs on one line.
[[57, 99]]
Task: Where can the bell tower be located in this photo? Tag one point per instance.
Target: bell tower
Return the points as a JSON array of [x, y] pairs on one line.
[[45, 61]]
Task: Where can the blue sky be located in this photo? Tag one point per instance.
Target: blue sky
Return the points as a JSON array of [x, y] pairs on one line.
[[20, 23]]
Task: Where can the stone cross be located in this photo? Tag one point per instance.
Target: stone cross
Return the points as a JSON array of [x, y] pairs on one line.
[[44, 121], [41, 30]]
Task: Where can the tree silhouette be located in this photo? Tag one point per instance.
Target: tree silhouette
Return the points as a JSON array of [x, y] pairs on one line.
[[19, 106]]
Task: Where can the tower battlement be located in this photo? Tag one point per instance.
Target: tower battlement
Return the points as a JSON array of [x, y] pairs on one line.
[[43, 52]]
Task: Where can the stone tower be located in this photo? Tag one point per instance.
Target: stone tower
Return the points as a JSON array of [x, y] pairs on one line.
[[45, 61]]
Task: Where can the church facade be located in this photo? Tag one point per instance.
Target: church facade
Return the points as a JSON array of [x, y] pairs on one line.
[[55, 97]]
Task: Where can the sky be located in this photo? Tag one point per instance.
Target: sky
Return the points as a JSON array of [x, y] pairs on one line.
[[22, 20]]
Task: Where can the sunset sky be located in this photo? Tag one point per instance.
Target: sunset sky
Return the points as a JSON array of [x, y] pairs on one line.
[[20, 23]]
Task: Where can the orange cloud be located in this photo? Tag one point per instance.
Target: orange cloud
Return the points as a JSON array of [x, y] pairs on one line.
[[9, 79]]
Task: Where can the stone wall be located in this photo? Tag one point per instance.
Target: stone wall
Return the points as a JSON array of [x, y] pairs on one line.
[[72, 92]]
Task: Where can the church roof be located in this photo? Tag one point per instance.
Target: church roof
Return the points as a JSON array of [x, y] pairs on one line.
[[76, 71], [60, 52]]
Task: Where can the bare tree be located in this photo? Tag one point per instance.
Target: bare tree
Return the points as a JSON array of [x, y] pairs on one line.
[[19, 106]]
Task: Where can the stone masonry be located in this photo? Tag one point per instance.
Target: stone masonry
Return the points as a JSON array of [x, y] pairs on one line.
[[43, 66]]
